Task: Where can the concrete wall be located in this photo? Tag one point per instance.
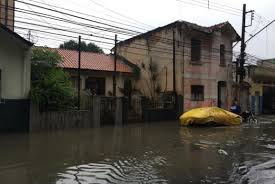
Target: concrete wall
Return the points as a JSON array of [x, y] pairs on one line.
[[158, 48], [15, 68], [10, 13]]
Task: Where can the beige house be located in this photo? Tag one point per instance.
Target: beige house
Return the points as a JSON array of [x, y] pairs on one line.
[[96, 71], [203, 60]]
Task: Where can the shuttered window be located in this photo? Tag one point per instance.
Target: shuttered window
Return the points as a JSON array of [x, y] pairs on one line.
[[195, 50], [222, 55]]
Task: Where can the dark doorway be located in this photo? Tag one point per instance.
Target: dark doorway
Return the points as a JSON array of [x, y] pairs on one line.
[[222, 94], [268, 99]]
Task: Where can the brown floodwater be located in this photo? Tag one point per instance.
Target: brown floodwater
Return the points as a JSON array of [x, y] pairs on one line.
[[141, 153]]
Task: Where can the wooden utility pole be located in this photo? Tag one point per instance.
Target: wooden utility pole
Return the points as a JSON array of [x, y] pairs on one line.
[[114, 73], [174, 62], [79, 69]]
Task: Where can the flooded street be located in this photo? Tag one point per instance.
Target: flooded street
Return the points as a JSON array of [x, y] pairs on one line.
[[141, 153]]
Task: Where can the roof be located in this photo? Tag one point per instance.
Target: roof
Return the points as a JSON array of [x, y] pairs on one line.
[[15, 35], [189, 25], [92, 61]]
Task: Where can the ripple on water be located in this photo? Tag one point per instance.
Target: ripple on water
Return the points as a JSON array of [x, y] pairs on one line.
[[121, 171]]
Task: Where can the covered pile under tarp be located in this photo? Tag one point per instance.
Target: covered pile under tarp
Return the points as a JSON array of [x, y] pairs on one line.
[[210, 115]]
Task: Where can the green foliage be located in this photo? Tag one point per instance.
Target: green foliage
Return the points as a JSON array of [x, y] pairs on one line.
[[72, 45], [51, 87]]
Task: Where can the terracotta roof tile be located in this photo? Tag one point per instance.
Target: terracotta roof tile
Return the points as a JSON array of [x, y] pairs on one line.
[[92, 61]]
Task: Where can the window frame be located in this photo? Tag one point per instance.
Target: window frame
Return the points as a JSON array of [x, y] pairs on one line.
[[196, 49], [222, 55], [98, 83], [197, 94]]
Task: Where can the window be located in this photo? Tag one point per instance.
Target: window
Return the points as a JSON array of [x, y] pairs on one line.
[[74, 81], [222, 55], [195, 50], [96, 85], [197, 93]]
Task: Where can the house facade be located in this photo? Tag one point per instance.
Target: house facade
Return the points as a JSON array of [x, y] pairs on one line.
[[203, 61], [96, 71], [7, 13], [262, 90], [15, 67]]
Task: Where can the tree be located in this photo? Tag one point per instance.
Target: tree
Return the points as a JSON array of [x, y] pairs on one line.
[[152, 79], [72, 45], [50, 85]]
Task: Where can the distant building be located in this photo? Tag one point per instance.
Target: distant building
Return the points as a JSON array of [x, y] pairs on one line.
[[203, 61], [96, 71], [15, 71], [7, 13], [262, 91]]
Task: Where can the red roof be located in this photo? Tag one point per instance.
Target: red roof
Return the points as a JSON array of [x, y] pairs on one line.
[[92, 61]]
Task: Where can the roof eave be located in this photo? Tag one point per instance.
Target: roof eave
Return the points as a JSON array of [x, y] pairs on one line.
[[17, 36]]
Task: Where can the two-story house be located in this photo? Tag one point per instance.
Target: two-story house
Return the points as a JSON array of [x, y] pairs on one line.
[[203, 61]]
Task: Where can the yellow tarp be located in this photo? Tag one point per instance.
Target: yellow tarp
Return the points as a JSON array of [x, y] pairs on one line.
[[206, 115]]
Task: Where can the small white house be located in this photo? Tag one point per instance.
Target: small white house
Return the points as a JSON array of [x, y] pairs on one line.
[[15, 71]]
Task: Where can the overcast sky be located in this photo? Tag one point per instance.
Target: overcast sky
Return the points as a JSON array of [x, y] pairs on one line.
[[149, 14]]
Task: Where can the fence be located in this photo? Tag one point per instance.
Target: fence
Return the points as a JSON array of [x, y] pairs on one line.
[[59, 120], [162, 109], [107, 110], [100, 111]]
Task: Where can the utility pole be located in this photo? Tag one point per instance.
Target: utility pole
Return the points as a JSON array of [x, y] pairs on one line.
[[242, 56], [243, 42], [174, 62], [29, 35], [114, 73], [79, 68]]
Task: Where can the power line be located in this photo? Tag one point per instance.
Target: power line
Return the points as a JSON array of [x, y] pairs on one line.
[[205, 6], [86, 25], [98, 36], [119, 13], [76, 16], [84, 14]]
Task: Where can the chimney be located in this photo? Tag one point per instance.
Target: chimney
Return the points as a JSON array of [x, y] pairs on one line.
[[7, 13]]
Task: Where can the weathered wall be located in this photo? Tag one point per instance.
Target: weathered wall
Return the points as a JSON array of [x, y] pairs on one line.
[[158, 48], [15, 68]]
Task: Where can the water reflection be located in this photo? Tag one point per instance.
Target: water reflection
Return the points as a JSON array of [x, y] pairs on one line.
[[110, 171], [141, 153]]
